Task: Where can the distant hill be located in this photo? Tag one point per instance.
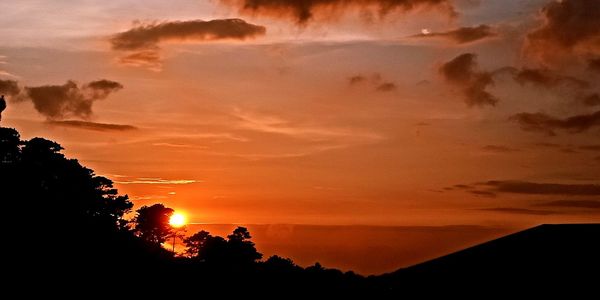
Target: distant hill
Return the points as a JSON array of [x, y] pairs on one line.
[[541, 259]]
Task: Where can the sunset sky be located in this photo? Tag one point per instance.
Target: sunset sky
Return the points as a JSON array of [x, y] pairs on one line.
[[329, 112]]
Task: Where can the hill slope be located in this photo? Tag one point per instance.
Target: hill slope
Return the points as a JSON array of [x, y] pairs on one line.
[[542, 258]]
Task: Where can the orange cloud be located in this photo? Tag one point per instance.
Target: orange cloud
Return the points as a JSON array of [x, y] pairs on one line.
[[303, 11], [149, 59], [92, 125]]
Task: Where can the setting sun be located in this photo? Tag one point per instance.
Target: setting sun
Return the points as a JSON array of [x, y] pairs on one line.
[[177, 220]]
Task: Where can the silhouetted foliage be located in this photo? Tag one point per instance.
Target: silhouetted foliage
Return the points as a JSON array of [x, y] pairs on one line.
[[195, 243], [237, 250], [152, 223], [241, 249], [71, 230]]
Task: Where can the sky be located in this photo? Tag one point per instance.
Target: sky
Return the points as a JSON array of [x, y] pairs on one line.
[[322, 112]]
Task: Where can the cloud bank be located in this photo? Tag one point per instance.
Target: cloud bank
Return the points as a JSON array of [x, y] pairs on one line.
[[544, 123], [303, 11], [569, 27]]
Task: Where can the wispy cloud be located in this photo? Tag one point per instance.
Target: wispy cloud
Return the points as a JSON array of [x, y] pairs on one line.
[[159, 181], [522, 211], [278, 125], [92, 125], [462, 35]]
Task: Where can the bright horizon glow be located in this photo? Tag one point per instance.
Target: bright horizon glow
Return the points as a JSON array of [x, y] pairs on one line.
[[177, 220]]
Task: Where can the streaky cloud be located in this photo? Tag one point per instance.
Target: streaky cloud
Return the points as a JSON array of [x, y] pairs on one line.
[[92, 125], [541, 122]]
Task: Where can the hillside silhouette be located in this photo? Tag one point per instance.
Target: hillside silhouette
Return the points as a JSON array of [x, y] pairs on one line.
[[68, 227], [542, 259]]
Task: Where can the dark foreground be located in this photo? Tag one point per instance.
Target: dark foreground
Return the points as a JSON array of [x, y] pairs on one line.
[[66, 234]]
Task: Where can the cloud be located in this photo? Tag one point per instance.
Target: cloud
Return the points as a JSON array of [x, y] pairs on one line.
[[547, 78], [356, 79], [525, 187], [149, 59], [92, 125], [57, 102], [462, 72], [591, 204], [570, 27], [483, 193], [590, 147], [149, 36], [524, 211], [594, 64], [542, 122], [591, 99], [303, 11], [158, 181], [9, 88], [375, 80], [386, 87], [143, 41], [462, 35], [498, 149]]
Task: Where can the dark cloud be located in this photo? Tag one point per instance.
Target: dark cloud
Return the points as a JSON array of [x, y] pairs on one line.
[[462, 35], [375, 80], [143, 41], [462, 72], [9, 88], [525, 187], [548, 145], [542, 122], [591, 99], [524, 211], [547, 78], [591, 204], [569, 26], [301, 11], [590, 147], [69, 100], [483, 193], [356, 79], [498, 149], [148, 36], [386, 87], [594, 64], [92, 125]]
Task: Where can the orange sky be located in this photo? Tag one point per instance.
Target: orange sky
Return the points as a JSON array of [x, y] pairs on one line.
[[344, 117]]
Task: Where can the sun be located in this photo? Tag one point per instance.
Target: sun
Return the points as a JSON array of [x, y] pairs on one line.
[[177, 220]]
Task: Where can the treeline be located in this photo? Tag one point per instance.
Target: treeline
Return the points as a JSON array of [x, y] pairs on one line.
[[68, 225]]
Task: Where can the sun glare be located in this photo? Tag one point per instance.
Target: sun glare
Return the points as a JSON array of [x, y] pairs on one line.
[[177, 220]]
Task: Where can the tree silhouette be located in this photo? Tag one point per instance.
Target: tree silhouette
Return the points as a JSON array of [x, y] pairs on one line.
[[195, 243], [237, 250], [242, 250], [152, 223]]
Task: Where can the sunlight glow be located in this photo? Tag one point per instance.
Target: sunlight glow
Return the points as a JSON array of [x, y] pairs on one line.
[[177, 220]]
